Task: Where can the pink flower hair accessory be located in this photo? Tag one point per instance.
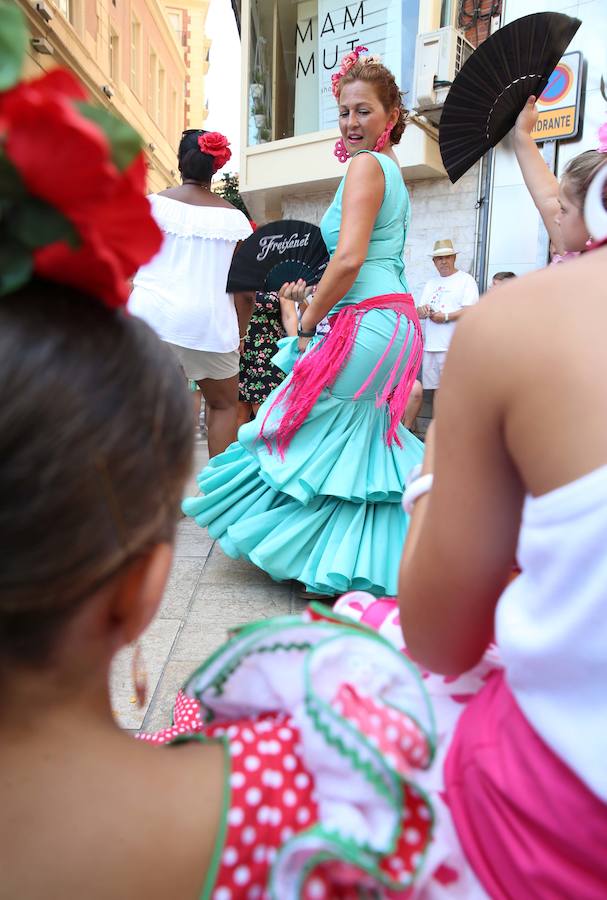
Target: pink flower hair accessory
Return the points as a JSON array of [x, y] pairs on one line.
[[602, 148], [216, 145], [349, 60]]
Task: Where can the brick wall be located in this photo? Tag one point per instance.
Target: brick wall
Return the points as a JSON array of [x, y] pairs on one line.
[[440, 211], [475, 18]]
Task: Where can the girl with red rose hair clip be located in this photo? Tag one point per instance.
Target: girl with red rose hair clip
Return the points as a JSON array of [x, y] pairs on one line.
[[312, 488], [181, 292], [266, 800]]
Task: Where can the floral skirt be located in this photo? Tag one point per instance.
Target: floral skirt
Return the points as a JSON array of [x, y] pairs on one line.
[[258, 374]]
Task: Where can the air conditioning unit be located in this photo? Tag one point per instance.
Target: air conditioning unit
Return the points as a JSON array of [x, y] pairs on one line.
[[439, 55]]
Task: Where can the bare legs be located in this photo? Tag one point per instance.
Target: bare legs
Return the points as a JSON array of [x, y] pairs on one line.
[[221, 397], [414, 404], [246, 411]]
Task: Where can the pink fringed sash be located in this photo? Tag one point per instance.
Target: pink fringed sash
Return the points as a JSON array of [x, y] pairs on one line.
[[321, 365]]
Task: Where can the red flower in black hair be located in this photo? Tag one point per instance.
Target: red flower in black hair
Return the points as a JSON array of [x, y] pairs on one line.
[[217, 146]]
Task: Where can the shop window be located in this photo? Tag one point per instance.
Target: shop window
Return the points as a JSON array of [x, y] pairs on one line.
[[447, 13], [296, 47], [66, 7], [135, 77], [114, 56], [152, 92], [161, 102]]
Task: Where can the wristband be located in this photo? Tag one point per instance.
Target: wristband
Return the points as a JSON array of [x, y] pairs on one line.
[[415, 490], [446, 318], [304, 334]]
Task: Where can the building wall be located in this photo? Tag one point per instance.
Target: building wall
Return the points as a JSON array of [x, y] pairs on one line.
[[439, 210], [96, 46], [192, 16]]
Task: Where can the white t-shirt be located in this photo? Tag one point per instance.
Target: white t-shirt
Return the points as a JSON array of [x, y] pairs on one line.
[[446, 295], [181, 292]]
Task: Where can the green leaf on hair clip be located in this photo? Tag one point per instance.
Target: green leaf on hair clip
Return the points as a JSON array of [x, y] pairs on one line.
[[13, 41], [16, 265], [37, 224], [11, 183], [124, 141]]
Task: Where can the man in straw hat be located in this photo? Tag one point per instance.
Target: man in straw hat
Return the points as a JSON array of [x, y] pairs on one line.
[[444, 300]]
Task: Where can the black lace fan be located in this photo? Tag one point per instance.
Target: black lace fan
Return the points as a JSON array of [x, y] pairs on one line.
[[277, 252], [495, 83]]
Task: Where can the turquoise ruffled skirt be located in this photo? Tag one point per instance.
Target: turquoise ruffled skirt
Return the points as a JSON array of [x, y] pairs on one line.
[[329, 515]]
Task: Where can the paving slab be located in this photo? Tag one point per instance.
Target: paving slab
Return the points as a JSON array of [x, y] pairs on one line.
[[222, 569], [156, 645], [207, 594], [182, 583], [160, 711], [220, 608]]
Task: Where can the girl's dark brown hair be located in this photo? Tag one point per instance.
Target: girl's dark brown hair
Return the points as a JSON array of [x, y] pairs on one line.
[[95, 446], [386, 88]]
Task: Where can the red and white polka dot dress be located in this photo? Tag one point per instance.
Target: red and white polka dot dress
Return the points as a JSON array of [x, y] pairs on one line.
[[332, 796], [273, 798]]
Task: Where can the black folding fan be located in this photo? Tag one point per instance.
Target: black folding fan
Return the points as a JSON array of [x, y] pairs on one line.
[[277, 252], [495, 83]]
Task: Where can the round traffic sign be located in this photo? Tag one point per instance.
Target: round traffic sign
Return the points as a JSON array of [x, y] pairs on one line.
[[559, 84]]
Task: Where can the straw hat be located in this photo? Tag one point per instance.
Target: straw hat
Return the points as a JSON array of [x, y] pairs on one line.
[[443, 248]]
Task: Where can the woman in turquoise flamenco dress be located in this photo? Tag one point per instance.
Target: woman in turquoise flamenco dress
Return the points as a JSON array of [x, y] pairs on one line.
[[311, 490]]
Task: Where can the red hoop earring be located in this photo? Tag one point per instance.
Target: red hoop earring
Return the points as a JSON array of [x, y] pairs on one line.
[[340, 151], [383, 138]]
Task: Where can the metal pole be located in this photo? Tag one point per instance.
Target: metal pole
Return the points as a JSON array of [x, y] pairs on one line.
[[483, 205]]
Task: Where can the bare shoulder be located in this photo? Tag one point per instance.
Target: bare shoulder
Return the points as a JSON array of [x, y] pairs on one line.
[[365, 177], [533, 324], [173, 193], [365, 164], [172, 839], [539, 301]]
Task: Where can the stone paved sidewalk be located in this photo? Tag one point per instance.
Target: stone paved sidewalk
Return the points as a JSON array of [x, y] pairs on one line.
[[207, 593]]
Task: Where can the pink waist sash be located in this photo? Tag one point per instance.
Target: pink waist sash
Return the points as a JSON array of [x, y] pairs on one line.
[[319, 367], [527, 824]]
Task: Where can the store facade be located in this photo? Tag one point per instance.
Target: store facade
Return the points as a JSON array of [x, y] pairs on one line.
[[289, 118]]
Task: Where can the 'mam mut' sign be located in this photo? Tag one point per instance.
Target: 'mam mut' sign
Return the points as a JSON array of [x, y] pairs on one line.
[[325, 32]]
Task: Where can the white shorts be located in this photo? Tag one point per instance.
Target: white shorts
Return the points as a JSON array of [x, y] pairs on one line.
[[201, 364], [432, 368]]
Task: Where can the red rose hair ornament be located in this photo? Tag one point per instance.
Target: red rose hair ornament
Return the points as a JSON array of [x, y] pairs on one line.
[[81, 217], [217, 146]]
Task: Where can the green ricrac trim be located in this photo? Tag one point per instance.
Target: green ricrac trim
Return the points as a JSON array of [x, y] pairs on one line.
[[211, 875], [365, 630], [339, 850], [225, 674], [244, 635], [394, 798], [239, 634]]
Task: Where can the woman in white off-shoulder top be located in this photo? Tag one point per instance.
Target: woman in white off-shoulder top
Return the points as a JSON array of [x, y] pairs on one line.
[[181, 292]]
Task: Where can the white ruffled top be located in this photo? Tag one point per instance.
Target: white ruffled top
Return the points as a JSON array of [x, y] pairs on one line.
[[181, 292]]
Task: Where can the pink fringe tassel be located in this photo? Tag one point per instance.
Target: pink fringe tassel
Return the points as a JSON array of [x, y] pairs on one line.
[[320, 366]]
